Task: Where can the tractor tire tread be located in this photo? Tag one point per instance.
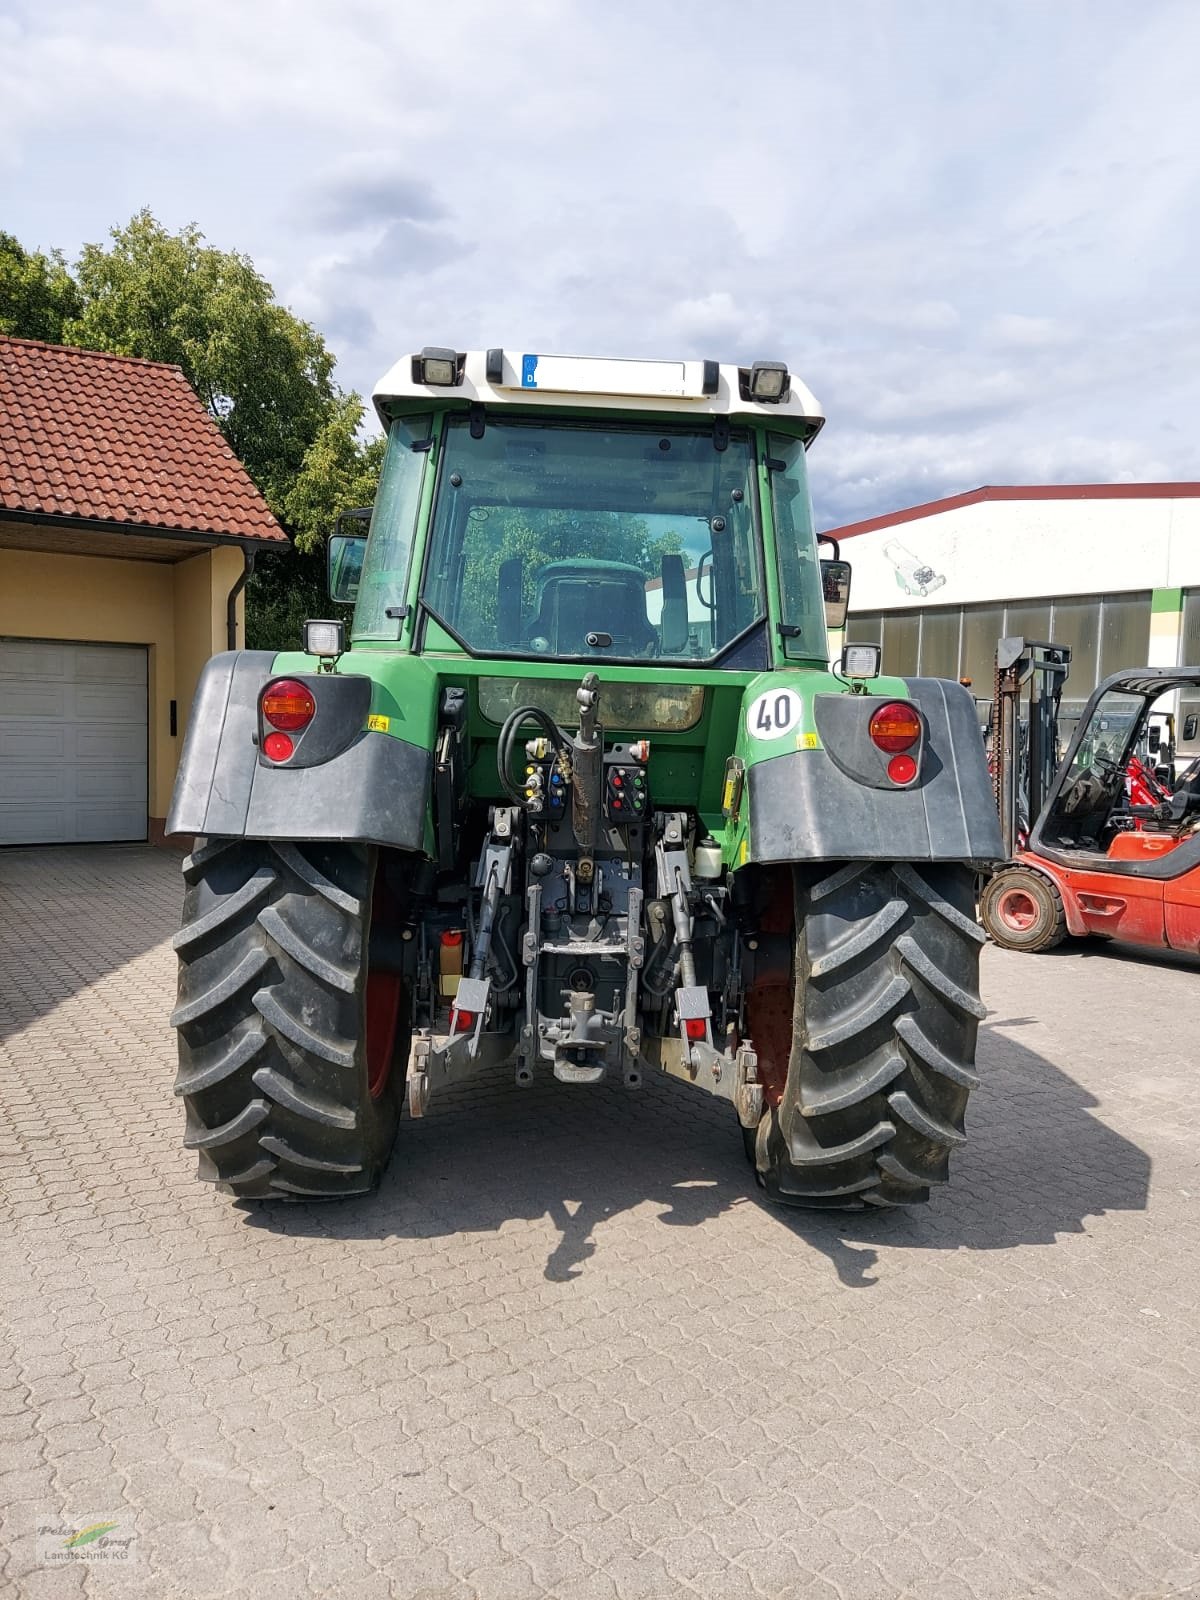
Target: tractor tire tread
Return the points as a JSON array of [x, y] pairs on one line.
[[883, 1041], [272, 1070]]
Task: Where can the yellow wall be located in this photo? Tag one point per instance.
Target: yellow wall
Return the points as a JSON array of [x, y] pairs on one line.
[[202, 586], [176, 611]]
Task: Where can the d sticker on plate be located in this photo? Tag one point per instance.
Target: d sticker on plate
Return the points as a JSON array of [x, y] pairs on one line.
[[771, 715], [378, 724], [807, 741]]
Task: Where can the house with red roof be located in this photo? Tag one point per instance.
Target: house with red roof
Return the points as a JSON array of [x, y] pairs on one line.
[[127, 529]]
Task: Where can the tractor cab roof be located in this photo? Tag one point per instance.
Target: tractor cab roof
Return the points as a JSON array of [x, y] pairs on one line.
[[765, 390]]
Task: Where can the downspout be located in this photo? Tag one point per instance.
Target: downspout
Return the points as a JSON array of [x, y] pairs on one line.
[[231, 604]]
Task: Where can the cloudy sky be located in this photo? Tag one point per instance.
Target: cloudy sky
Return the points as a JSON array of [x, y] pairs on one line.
[[972, 227]]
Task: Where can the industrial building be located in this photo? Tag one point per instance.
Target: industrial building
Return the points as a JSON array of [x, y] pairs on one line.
[[1110, 569]]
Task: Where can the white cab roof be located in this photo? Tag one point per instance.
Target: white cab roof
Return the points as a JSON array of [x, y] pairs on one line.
[[594, 383]]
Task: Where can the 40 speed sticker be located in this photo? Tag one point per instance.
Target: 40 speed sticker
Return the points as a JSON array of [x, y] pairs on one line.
[[771, 715]]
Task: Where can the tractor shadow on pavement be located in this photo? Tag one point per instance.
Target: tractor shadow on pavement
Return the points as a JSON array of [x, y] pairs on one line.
[[1038, 1164]]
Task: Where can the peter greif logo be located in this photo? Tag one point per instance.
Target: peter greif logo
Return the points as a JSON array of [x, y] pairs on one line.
[[101, 1540]]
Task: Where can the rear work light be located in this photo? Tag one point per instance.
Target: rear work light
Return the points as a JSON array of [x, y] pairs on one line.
[[895, 727], [768, 381], [288, 705], [439, 368]]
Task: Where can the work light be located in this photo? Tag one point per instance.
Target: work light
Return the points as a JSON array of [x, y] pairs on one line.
[[326, 639], [861, 660], [768, 380], [437, 367]]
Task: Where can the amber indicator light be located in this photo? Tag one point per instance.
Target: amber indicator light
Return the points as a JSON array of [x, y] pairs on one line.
[[288, 705], [895, 727]]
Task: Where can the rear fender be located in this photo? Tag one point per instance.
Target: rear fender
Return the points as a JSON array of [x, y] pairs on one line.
[[828, 797], [345, 781], [1062, 882]]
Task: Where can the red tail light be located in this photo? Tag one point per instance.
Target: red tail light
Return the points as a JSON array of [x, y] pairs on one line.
[[694, 1027], [464, 1021], [278, 747], [895, 727], [287, 704]]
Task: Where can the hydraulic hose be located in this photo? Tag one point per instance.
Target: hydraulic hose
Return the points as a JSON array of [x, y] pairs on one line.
[[512, 725]]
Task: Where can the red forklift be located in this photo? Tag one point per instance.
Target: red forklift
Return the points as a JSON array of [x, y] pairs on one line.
[[1086, 855]]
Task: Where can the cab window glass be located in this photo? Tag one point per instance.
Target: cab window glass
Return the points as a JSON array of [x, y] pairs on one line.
[[582, 541], [384, 578], [801, 596]]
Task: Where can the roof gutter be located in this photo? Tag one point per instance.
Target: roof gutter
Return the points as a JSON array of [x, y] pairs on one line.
[[248, 556], [138, 530]]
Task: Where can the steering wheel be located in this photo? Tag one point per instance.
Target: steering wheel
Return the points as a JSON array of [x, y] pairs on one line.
[[1105, 762]]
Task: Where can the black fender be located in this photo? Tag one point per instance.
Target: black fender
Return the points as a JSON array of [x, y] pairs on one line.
[[344, 782], [836, 803]]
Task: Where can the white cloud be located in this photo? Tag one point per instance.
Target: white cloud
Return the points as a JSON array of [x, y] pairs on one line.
[[717, 318], [1035, 333], [970, 229]]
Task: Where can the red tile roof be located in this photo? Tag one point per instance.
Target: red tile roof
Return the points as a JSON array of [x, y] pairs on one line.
[[1017, 491], [115, 439]]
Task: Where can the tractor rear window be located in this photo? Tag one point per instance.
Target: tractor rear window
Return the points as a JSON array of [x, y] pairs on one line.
[[595, 542]]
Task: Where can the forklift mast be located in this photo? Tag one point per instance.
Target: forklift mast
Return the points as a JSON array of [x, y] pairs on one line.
[[1023, 748]]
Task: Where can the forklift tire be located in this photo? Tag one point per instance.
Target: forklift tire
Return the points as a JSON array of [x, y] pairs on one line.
[[292, 1054], [1022, 910], [885, 1011]]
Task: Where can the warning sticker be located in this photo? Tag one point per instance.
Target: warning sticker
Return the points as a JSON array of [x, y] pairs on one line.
[[378, 724]]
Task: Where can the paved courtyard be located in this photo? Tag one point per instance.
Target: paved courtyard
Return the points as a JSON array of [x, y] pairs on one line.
[[566, 1351]]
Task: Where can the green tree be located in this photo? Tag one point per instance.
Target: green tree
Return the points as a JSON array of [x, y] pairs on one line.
[[339, 470], [37, 293], [540, 535], [265, 375]]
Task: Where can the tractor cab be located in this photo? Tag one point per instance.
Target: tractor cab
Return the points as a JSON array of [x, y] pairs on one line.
[[594, 511]]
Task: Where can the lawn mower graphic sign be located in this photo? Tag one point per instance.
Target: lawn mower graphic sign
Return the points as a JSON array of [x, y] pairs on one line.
[[912, 574]]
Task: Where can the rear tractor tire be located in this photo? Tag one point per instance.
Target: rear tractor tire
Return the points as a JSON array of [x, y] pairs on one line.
[[867, 1047], [1022, 910], [292, 1054]]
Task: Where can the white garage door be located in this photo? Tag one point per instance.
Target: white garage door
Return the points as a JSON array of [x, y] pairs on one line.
[[72, 742]]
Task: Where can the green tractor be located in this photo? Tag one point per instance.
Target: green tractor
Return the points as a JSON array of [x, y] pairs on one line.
[[581, 796]]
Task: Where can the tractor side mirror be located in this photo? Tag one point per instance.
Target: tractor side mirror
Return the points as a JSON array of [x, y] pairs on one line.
[[1154, 739], [509, 586], [674, 606], [344, 563], [835, 585], [1189, 726]]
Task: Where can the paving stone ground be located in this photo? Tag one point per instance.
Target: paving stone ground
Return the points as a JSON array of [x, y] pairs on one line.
[[566, 1351]]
